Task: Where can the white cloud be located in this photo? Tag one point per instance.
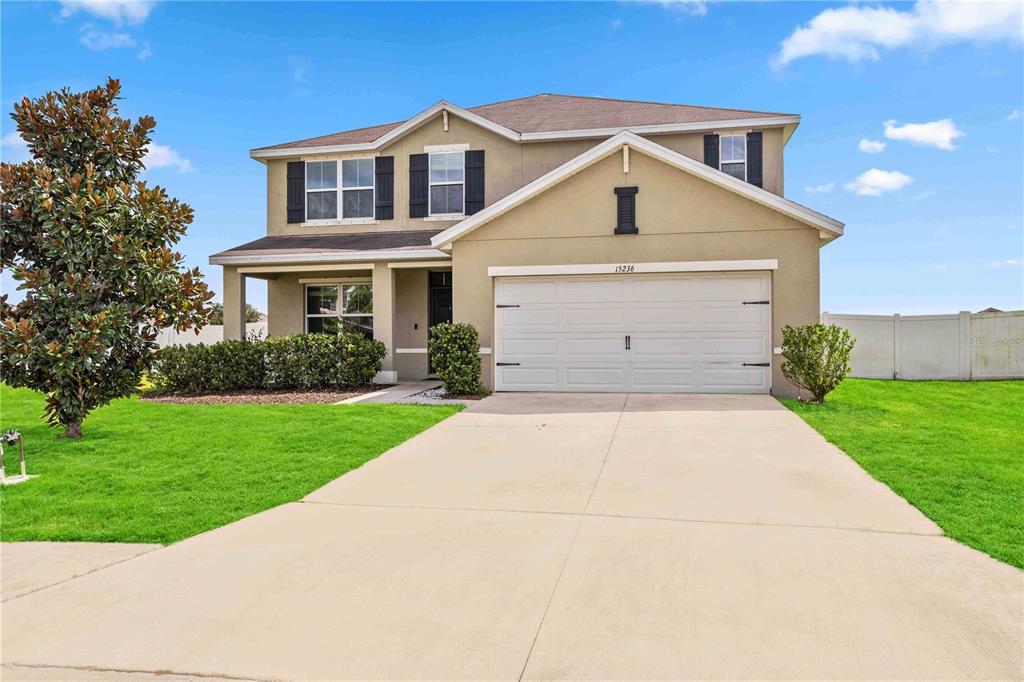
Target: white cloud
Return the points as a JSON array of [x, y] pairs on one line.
[[1013, 115], [616, 24], [1008, 263], [118, 11], [696, 8], [820, 189], [299, 69], [162, 156], [923, 195], [13, 149], [146, 52], [870, 146], [939, 133], [101, 40], [858, 32], [875, 182]]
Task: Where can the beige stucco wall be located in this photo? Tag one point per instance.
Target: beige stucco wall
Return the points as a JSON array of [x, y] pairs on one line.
[[508, 166], [680, 218]]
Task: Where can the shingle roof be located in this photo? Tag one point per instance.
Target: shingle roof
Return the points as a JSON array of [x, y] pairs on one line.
[[550, 113], [332, 243]]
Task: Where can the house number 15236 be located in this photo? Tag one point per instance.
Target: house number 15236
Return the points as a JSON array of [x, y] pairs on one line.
[[625, 268]]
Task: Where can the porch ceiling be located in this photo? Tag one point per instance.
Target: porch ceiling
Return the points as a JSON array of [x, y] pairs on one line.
[[328, 248]]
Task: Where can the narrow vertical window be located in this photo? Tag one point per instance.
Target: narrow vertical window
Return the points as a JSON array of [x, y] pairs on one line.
[[321, 190], [733, 155], [447, 183], [357, 188]]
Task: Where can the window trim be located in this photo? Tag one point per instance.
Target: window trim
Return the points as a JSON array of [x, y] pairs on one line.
[[431, 184], [722, 161], [338, 283], [339, 190]]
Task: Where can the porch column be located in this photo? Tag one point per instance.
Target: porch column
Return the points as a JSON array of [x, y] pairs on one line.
[[234, 304], [383, 319]]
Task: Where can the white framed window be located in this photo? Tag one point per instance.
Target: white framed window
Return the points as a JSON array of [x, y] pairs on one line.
[[732, 155], [333, 308], [321, 190], [353, 199], [357, 188], [447, 183]]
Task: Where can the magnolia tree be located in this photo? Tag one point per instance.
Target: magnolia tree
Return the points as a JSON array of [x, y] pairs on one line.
[[90, 246]]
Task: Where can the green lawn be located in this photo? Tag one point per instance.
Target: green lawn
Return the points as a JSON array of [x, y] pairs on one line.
[[954, 450], [147, 472]]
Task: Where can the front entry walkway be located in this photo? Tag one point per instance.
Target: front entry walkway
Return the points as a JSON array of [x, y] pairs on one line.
[[550, 537]]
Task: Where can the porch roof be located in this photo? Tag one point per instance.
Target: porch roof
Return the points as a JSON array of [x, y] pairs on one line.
[[329, 248]]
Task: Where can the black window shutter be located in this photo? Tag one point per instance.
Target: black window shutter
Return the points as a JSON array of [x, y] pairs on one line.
[[296, 191], [711, 150], [626, 210], [474, 181], [418, 186], [384, 180], [755, 174]]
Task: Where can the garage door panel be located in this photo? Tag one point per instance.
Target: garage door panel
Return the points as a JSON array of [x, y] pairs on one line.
[[611, 347], [530, 346], [539, 319], [528, 378], [595, 317], [594, 378], [687, 333], [735, 379], [663, 379]]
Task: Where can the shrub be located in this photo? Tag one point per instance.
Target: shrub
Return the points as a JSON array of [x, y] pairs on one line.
[[361, 359], [817, 357], [454, 350], [286, 362]]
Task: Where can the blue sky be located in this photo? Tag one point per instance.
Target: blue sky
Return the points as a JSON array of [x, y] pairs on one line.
[[939, 229]]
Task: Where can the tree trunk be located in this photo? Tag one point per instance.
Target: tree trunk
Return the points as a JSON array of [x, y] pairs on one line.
[[73, 430]]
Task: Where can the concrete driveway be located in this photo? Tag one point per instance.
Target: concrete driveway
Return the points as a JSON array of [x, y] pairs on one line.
[[554, 537]]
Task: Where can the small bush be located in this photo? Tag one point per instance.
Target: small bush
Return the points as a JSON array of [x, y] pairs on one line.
[[361, 359], [817, 357], [307, 361], [454, 350]]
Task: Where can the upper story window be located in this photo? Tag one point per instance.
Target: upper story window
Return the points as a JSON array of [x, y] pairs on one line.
[[357, 188], [733, 156], [357, 197], [321, 190], [447, 183]]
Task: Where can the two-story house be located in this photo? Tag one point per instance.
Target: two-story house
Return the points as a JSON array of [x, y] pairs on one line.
[[595, 244]]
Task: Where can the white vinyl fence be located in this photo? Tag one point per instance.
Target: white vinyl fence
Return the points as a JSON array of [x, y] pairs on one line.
[[966, 346], [208, 334]]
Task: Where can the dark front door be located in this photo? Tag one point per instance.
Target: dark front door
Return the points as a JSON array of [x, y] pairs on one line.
[[440, 305]]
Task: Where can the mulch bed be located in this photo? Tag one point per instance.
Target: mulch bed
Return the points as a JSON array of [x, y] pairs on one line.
[[264, 397]]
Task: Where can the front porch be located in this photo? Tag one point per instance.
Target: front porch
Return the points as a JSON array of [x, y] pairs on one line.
[[393, 294]]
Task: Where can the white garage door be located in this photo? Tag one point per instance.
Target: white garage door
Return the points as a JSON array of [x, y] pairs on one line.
[[697, 332]]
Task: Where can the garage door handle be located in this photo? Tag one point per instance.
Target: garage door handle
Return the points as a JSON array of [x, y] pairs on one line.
[[756, 302], [508, 305], [756, 364], [507, 364], [627, 341]]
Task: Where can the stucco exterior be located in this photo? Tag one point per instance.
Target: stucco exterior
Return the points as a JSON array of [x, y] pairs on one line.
[[509, 166], [680, 217]]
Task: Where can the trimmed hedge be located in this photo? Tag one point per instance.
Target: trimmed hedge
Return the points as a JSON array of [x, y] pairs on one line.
[[302, 361], [454, 350]]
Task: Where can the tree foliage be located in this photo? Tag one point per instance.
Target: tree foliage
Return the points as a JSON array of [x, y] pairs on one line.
[[90, 246], [252, 314], [817, 357]]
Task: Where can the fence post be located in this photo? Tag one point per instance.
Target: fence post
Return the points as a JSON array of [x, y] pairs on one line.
[[897, 349], [966, 371]]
